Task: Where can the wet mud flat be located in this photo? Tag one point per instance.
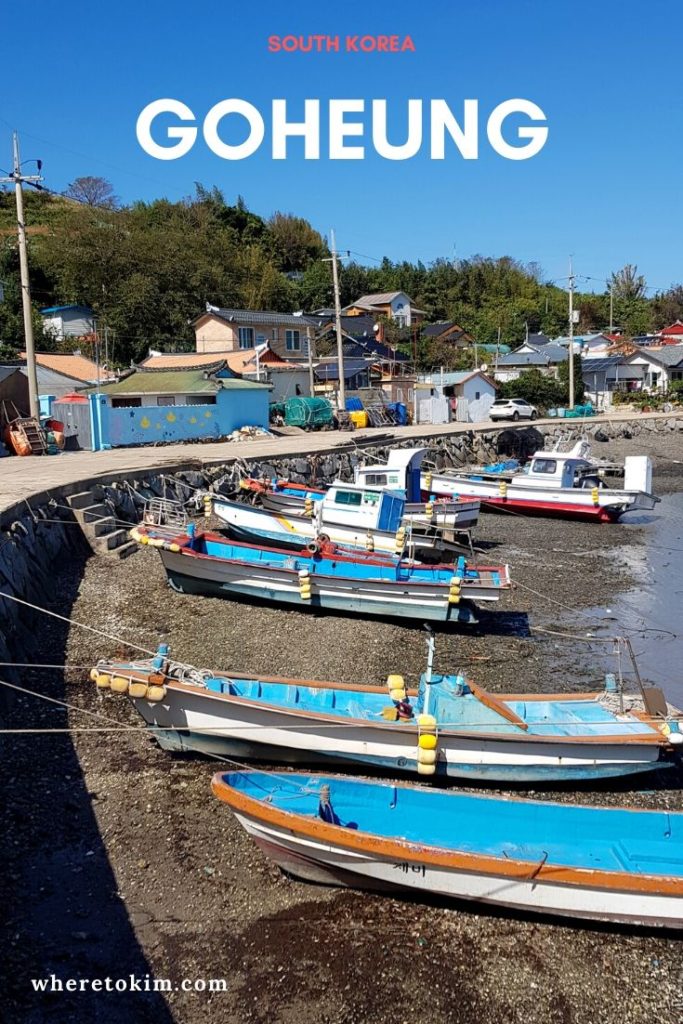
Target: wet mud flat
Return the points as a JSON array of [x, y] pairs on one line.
[[118, 860]]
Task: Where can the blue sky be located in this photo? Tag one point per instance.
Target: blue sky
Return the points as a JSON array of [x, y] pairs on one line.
[[606, 187]]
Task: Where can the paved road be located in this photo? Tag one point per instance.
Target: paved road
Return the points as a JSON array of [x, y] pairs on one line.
[[31, 478]]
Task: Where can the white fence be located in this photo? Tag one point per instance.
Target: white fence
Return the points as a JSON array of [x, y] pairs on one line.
[[475, 411]]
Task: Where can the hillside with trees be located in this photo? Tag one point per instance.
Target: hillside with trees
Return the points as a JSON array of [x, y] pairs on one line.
[[148, 269]]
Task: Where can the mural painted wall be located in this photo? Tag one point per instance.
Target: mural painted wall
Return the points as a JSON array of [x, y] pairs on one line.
[[152, 424]]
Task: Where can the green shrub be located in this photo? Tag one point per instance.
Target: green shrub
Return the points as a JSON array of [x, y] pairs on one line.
[[535, 387]]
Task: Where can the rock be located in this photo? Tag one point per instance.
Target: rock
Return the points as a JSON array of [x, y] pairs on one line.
[[601, 435]]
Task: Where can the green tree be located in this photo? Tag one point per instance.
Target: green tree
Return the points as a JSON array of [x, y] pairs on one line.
[[627, 283], [538, 388], [296, 243], [563, 378]]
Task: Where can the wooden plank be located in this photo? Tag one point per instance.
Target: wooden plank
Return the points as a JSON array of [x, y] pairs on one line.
[[497, 705]]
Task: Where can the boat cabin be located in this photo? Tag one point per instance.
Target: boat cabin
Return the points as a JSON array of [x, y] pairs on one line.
[[572, 469], [554, 469], [364, 507], [400, 473]]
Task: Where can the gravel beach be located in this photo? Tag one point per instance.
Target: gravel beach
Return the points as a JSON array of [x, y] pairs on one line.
[[118, 861]]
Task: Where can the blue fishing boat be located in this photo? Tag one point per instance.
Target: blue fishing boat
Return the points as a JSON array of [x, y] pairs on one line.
[[446, 727], [325, 576], [617, 865]]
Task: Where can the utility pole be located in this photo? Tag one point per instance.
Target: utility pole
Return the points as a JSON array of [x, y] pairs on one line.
[[337, 322], [311, 380], [571, 335], [611, 308], [17, 178]]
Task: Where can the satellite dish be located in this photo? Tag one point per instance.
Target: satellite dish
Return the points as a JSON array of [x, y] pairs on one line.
[[484, 367]]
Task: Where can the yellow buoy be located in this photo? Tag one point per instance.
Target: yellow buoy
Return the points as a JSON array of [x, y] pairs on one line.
[[427, 741], [397, 694], [103, 680], [119, 684], [426, 756], [426, 769], [94, 674], [428, 481], [390, 714], [427, 723], [137, 690], [396, 682], [155, 693], [595, 495], [175, 548], [503, 489]]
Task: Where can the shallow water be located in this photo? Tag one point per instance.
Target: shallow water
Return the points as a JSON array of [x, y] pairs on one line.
[[652, 613]]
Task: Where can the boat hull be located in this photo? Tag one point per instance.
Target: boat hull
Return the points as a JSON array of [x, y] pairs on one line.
[[198, 721], [565, 503], [615, 865], [225, 578], [258, 526], [331, 864]]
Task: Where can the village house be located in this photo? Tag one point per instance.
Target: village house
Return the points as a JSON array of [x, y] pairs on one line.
[[604, 376], [470, 393], [68, 321], [447, 331], [260, 364], [357, 375], [661, 367], [589, 345], [547, 359], [219, 331], [535, 341], [149, 406], [671, 335], [396, 306], [60, 373]]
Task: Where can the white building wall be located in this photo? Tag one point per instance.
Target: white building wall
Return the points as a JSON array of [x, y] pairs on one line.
[[75, 324], [400, 306]]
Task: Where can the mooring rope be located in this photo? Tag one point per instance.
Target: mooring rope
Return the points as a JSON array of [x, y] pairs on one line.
[[73, 622]]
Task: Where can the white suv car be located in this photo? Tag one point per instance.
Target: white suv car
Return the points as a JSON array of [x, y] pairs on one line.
[[512, 409]]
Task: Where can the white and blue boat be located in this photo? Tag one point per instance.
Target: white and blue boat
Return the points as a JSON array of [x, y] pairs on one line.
[[448, 727], [351, 516], [325, 577], [601, 864], [400, 474]]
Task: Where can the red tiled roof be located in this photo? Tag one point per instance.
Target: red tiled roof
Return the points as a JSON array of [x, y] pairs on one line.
[[674, 328]]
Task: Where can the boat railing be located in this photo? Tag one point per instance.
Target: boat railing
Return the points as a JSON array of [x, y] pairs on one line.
[[164, 512]]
